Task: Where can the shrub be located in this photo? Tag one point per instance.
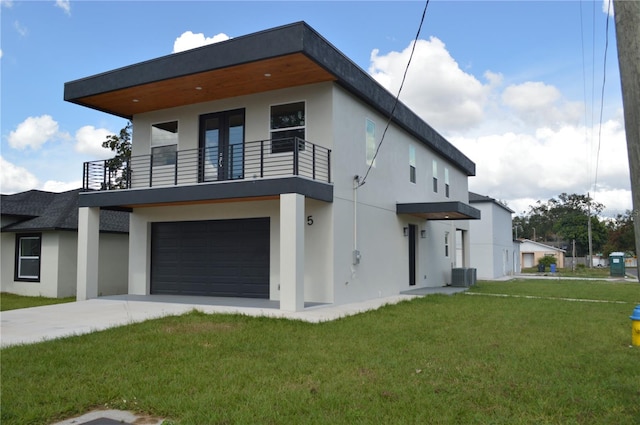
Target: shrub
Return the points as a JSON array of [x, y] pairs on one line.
[[547, 260]]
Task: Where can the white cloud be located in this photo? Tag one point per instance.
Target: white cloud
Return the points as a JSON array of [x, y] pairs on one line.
[[1, 53], [189, 40], [6, 3], [35, 132], [521, 167], [536, 103], [607, 7], [56, 186], [526, 139], [64, 5], [22, 30], [89, 141], [435, 88], [14, 178]]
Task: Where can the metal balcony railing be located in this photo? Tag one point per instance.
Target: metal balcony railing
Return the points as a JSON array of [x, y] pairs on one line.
[[244, 161]]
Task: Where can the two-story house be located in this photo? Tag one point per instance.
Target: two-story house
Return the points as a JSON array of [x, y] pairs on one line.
[[248, 158]]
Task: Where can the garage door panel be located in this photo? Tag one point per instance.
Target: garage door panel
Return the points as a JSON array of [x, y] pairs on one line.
[[213, 258]]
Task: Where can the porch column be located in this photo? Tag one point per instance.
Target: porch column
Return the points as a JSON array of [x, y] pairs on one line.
[[291, 252], [88, 241], [139, 255]]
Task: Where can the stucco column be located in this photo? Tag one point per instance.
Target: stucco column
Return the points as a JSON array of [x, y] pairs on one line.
[[291, 252], [88, 242], [139, 255]]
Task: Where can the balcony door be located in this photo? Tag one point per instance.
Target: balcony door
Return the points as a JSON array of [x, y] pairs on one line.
[[222, 146]]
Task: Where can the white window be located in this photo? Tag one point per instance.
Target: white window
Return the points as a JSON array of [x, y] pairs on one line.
[[287, 126], [446, 244], [164, 143], [28, 257], [412, 164], [435, 175], [446, 182], [370, 142]]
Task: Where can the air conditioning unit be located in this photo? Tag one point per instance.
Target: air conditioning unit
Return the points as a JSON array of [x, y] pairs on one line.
[[463, 277]]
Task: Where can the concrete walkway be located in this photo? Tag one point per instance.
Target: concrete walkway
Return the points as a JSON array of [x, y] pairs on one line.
[[36, 324]]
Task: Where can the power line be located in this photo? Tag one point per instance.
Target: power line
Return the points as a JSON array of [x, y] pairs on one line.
[[604, 79], [397, 99]]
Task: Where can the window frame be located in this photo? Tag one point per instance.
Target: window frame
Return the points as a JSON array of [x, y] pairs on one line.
[[19, 257], [283, 145], [434, 166], [412, 164], [370, 142], [446, 244], [446, 182], [168, 159]]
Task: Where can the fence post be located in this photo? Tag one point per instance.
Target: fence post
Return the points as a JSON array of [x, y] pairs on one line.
[[328, 165], [261, 158], [175, 172]]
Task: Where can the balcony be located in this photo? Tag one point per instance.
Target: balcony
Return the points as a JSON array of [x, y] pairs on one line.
[[248, 161]]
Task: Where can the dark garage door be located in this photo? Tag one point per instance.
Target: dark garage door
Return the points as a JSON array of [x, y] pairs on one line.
[[214, 258]]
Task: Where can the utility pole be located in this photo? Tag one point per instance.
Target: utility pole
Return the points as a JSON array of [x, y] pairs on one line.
[[589, 230], [627, 16]]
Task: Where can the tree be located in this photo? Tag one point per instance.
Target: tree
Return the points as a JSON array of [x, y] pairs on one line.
[[565, 219], [118, 166], [620, 234]]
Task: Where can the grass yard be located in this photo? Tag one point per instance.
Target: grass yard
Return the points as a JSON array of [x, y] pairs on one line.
[[582, 272], [13, 302], [462, 359]]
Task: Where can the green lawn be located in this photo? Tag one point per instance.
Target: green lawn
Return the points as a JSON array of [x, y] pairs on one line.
[[461, 359], [582, 272], [12, 301]]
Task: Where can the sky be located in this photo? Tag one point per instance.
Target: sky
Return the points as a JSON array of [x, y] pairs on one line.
[[528, 90]]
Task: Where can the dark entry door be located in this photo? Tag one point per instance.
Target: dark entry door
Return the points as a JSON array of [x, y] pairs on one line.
[[222, 145], [212, 258], [412, 254]]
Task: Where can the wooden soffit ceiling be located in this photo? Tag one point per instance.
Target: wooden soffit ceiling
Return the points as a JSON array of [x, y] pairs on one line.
[[239, 80]]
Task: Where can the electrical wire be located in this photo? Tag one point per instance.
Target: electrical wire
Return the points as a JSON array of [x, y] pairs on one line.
[[397, 99], [604, 79]]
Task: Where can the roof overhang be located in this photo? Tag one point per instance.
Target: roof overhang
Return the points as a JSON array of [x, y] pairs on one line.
[[439, 210], [287, 56]]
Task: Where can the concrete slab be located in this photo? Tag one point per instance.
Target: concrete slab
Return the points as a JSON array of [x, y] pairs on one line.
[[36, 324], [112, 417]]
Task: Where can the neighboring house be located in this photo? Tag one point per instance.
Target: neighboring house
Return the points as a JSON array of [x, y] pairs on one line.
[[39, 243], [246, 177], [493, 252], [532, 251]]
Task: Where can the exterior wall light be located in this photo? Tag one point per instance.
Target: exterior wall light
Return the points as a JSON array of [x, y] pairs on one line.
[[423, 234], [405, 231]]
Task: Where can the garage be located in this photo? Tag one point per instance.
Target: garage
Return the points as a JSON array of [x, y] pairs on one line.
[[220, 258]]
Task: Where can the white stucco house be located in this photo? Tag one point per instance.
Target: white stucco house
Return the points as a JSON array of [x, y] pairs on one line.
[[247, 177], [493, 251], [39, 245]]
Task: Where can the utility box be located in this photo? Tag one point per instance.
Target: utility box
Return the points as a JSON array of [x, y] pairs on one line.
[[616, 264]]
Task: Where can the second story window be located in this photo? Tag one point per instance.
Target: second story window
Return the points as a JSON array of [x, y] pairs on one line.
[[164, 143], [446, 182], [287, 125], [370, 140], [435, 176], [412, 164]]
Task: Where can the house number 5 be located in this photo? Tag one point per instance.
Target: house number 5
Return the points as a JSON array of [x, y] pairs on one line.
[[309, 220]]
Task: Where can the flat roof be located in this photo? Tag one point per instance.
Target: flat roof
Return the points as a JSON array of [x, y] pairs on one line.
[[287, 56], [453, 210]]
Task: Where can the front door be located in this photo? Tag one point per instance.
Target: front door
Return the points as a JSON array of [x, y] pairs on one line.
[[412, 254], [222, 146]]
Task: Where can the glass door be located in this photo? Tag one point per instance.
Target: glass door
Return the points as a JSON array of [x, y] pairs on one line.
[[222, 146]]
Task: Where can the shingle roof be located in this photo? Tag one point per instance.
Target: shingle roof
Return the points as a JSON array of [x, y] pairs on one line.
[[37, 210], [475, 197]]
